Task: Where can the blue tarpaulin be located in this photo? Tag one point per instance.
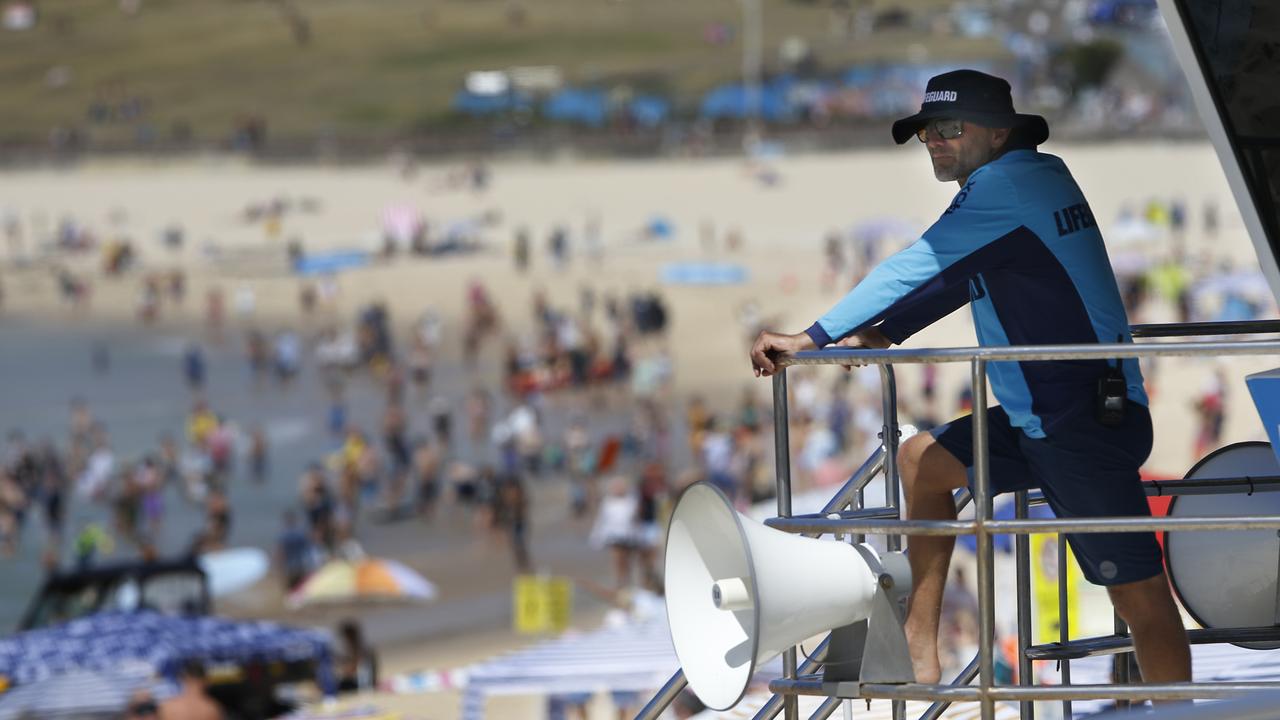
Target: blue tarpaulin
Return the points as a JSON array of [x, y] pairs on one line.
[[586, 107], [474, 104], [330, 262], [704, 273], [734, 102], [649, 110]]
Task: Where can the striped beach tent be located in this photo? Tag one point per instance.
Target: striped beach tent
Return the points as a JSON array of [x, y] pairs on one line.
[[634, 657], [1209, 663], [79, 694], [106, 640], [879, 709]]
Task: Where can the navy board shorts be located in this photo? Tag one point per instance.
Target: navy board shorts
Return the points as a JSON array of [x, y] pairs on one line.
[[1085, 469]]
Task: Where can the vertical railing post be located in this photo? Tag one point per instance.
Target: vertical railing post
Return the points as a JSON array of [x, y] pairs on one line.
[[986, 559], [782, 462], [1064, 617], [1121, 659], [889, 439], [1022, 551]]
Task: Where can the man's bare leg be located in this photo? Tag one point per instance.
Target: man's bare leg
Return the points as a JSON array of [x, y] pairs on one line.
[[1159, 639], [930, 474]]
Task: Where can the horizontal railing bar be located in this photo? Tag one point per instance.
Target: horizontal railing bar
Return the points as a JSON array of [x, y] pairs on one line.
[[1113, 644], [1159, 488], [1028, 353], [1235, 327], [1134, 524], [821, 526], [1212, 486], [1168, 691], [1198, 486], [813, 685], [879, 513]]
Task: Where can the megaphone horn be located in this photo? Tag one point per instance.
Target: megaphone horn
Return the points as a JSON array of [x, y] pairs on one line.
[[739, 593]]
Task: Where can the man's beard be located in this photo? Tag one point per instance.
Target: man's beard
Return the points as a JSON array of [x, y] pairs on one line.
[[948, 171]]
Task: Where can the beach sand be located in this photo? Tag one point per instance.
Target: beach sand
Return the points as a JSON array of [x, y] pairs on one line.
[[782, 226]]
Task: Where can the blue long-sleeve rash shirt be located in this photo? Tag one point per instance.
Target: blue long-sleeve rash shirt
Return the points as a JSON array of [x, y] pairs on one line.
[[1020, 243]]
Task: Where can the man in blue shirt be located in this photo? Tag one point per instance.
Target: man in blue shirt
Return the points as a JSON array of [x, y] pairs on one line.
[[1019, 244]]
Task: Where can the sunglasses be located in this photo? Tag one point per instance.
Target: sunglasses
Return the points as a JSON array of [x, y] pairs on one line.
[[945, 128]]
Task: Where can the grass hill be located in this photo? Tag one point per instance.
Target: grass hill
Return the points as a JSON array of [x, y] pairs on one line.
[[380, 68]]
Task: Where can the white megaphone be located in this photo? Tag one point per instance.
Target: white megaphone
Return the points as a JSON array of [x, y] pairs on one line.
[[738, 593]]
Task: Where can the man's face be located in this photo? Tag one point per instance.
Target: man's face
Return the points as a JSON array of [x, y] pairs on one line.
[[956, 158]]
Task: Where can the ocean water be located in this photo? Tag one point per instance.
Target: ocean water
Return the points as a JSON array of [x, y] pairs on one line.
[[143, 395]]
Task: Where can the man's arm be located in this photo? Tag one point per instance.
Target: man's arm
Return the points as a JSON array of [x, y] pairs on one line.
[[902, 325], [921, 281]]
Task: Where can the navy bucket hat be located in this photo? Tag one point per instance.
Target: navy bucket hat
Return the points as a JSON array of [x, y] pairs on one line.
[[974, 96]]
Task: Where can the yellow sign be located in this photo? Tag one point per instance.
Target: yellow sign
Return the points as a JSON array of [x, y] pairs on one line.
[[541, 603], [1044, 588]]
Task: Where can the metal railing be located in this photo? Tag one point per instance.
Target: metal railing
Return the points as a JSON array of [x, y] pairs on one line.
[[887, 521]]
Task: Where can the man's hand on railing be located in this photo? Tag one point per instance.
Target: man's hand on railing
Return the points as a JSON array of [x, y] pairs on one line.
[[770, 346], [869, 339]]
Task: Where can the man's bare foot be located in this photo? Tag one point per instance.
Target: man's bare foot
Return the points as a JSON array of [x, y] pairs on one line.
[[928, 670], [924, 655]]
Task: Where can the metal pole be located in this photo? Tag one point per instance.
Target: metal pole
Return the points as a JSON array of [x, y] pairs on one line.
[[827, 707], [986, 558], [1064, 619], [859, 538], [1276, 615], [774, 704], [1024, 353], [782, 460], [889, 440], [1121, 659], [965, 677], [658, 704], [782, 443], [1016, 693], [1022, 551], [811, 523]]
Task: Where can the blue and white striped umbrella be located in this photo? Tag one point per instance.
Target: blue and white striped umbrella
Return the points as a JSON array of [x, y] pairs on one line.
[[163, 642]]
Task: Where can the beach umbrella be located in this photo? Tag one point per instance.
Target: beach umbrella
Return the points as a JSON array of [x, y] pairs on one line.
[[344, 581]]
